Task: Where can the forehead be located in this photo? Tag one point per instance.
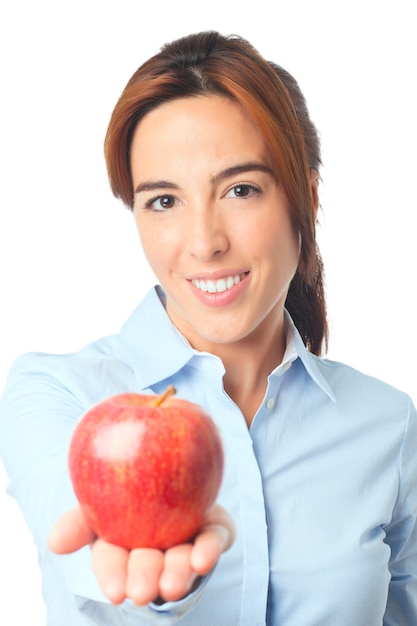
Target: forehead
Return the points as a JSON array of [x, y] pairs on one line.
[[202, 128]]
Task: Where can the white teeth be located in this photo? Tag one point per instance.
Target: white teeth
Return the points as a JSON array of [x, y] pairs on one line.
[[221, 285], [217, 286]]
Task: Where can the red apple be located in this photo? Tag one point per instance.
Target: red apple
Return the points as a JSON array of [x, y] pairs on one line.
[[146, 469]]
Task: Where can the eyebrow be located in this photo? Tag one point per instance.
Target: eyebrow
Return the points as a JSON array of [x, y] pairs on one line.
[[250, 166], [227, 173], [158, 184]]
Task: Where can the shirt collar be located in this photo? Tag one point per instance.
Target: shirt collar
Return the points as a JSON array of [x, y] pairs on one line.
[[152, 343], [296, 349], [157, 350]]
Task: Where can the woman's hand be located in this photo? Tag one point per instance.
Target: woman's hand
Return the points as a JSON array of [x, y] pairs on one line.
[[145, 574]]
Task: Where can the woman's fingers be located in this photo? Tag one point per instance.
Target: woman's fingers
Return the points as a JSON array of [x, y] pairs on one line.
[[110, 565], [178, 575], [144, 570], [145, 574], [216, 536], [70, 533]]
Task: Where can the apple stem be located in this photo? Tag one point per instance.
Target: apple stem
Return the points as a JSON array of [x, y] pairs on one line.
[[169, 391]]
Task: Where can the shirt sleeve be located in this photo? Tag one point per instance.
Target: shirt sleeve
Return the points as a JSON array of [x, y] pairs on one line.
[[402, 534], [128, 614], [38, 412]]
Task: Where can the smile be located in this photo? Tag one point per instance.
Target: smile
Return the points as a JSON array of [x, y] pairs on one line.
[[218, 286]]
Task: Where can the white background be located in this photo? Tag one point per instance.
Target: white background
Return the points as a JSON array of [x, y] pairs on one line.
[[70, 265]]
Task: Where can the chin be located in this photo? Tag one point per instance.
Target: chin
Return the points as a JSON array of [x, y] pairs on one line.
[[219, 337]]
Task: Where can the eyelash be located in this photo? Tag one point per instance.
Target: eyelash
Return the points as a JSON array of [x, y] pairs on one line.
[[149, 204], [253, 190], [249, 186]]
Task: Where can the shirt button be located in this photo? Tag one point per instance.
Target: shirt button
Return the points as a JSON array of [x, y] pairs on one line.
[[270, 403], [286, 366]]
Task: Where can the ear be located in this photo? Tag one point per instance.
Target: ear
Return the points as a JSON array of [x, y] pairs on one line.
[[315, 180]]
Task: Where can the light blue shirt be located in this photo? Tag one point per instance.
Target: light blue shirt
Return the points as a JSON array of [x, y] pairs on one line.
[[322, 486]]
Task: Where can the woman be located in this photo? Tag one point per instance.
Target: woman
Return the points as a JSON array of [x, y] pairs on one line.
[[213, 150]]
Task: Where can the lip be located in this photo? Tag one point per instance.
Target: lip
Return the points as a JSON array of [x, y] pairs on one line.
[[223, 298], [216, 275]]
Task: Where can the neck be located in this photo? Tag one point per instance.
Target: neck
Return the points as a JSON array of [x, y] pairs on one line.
[[248, 364], [248, 360]]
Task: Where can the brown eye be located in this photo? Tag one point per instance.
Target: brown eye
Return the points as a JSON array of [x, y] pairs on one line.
[[242, 191], [167, 202], [161, 203]]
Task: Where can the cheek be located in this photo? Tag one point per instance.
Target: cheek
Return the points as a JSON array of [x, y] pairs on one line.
[[158, 245], [275, 238]]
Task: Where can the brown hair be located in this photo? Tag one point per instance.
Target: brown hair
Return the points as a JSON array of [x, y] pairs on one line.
[[209, 63]]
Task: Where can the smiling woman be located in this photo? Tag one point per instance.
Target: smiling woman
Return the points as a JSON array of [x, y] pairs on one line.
[[213, 150], [209, 234], [272, 103]]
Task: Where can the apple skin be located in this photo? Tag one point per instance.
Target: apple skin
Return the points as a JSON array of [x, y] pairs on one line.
[[146, 469]]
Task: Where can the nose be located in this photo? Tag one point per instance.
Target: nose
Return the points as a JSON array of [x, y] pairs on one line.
[[206, 236]]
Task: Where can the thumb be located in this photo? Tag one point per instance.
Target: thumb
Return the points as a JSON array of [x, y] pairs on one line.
[[70, 533]]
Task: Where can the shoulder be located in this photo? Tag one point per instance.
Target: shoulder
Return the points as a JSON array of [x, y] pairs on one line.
[[98, 370], [354, 388]]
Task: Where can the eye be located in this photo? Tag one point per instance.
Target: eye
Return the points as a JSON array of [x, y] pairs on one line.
[[161, 203], [242, 191]]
